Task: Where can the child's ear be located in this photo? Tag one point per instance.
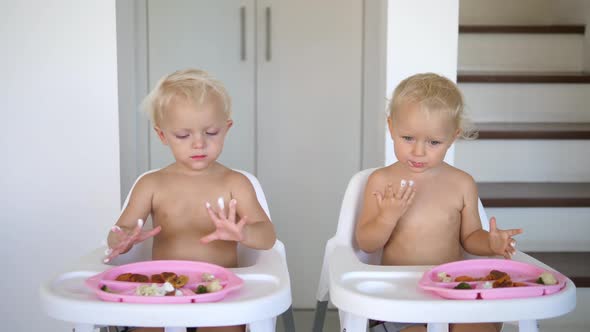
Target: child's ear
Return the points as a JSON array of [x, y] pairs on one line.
[[390, 125], [230, 123], [160, 134]]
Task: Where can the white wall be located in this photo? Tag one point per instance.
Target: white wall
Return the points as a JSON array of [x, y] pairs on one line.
[[422, 36], [60, 145]]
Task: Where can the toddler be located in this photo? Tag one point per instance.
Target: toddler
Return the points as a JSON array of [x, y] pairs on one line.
[[191, 114], [421, 210]]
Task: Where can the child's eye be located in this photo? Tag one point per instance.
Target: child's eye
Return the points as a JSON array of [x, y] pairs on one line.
[[407, 138], [435, 143], [181, 136], [212, 133]]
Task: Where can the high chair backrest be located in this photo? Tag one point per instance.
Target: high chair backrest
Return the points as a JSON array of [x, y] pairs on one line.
[[350, 211], [143, 251]]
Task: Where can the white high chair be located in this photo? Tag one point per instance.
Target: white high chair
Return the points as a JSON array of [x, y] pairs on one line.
[[265, 295], [361, 289]]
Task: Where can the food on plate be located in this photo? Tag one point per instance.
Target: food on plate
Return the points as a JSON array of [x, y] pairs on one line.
[[104, 288], [211, 284], [202, 289], [166, 289], [463, 285], [546, 278], [465, 278], [444, 277], [207, 277], [132, 277]]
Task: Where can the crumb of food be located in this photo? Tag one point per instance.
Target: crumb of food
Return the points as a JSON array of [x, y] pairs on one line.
[[104, 288], [487, 285], [463, 285], [444, 277], [201, 289], [207, 277], [214, 286], [547, 278]]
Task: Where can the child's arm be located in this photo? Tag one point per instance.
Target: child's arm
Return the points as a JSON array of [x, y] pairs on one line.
[[381, 212], [246, 221], [127, 231], [474, 239]]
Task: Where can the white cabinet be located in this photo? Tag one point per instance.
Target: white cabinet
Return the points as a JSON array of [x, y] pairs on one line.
[[294, 69], [219, 37]]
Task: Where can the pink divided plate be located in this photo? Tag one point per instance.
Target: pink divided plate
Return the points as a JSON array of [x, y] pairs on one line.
[[124, 291], [524, 274]]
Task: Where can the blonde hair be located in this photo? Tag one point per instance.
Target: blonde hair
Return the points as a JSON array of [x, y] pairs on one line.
[[433, 93], [190, 84]]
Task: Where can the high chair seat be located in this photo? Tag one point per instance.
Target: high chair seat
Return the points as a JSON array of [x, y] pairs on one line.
[[362, 290], [266, 293]]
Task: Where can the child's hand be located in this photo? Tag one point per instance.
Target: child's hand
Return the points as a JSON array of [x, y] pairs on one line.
[[394, 206], [226, 226], [127, 240], [501, 241]]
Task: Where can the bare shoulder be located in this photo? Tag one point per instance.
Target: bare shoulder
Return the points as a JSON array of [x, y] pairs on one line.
[[381, 177], [460, 178], [148, 181], [238, 181]]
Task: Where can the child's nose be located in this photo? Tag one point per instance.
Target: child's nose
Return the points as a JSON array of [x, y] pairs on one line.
[[198, 141], [419, 149]]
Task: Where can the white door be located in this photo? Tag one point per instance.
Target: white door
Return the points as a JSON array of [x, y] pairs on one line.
[[218, 37], [309, 137]]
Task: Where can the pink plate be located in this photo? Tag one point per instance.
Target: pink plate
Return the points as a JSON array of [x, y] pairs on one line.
[[123, 291], [526, 274]]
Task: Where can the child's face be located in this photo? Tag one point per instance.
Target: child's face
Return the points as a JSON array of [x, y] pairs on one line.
[[421, 139], [194, 133]]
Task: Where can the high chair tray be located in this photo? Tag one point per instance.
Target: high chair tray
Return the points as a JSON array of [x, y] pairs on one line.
[[520, 280], [107, 288]]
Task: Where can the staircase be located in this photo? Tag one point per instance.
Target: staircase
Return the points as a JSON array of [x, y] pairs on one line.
[[522, 71]]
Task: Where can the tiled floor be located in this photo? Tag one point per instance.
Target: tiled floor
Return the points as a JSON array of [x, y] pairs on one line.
[[304, 322]]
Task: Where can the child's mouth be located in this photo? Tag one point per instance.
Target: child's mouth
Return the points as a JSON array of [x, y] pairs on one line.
[[416, 164], [199, 157]]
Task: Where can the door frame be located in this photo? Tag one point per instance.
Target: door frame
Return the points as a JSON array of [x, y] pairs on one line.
[[133, 81]]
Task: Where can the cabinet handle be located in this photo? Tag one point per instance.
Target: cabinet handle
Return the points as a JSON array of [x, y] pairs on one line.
[[243, 33], [268, 34]]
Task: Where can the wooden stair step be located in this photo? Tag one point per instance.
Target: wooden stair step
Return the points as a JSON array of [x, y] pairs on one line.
[[534, 194], [521, 29], [529, 130], [574, 265], [522, 77]]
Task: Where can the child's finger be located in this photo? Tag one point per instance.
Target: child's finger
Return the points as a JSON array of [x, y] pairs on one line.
[[407, 193], [493, 224], [388, 191], [209, 238], [212, 214], [137, 230], [221, 204], [150, 233], [411, 198], [403, 186], [232, 211], [379, 197], [512, 232]]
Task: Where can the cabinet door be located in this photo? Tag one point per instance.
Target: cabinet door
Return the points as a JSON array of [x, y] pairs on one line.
[[309, 121], [218, 37]]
